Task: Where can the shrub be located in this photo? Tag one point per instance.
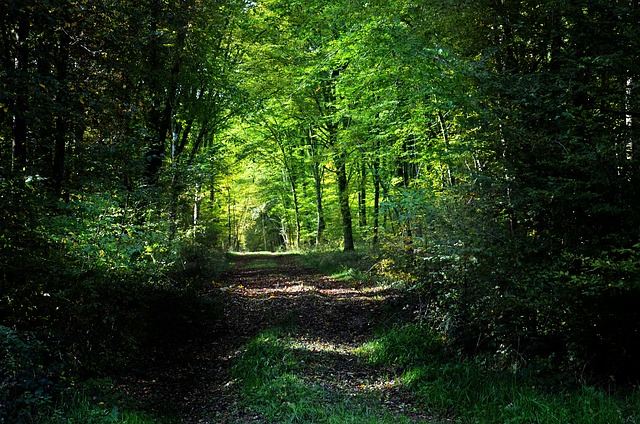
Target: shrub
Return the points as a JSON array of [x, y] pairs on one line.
[[29, 378]]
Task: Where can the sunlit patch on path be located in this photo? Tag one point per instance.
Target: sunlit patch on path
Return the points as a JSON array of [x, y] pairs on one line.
[[326, 320]]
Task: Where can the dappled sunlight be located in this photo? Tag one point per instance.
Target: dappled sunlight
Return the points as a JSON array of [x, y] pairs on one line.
[[260, 253], [304, 334], [305, 343], [324, 286], [337, 368]]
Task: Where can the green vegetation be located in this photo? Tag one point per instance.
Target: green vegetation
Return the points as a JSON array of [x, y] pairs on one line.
[[279, 378], [487, 151], [274, 382], [36, 387], [480, 390], [81, 409], [340, 265]]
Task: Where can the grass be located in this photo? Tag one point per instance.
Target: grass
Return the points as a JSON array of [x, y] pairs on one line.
[[472, 392], [275, 381], [278, 381], [96, 403], [85, 411], [262, 264], [343, 266]]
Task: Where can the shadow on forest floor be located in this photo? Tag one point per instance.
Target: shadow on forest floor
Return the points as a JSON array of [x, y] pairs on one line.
[[326, 319]]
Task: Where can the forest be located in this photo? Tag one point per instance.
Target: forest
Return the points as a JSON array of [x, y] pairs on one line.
[[481, 155]]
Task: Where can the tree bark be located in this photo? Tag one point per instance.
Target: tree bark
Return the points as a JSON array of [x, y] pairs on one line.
[[317, 185], [19, 146], [376, 200], [362, 196], [296, 208], [340, 159], [61, 121], [343, 196]]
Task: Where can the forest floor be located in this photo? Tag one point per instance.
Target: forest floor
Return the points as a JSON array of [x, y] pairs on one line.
[[328, 318]]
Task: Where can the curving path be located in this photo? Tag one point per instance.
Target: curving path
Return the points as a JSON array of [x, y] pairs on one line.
[[329, 318]]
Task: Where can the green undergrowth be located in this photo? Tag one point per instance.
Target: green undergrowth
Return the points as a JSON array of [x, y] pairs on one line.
[[36, 388], [262, 264], [344, 266], [62, 326], [275, 381], [82, 408], [478, 390]]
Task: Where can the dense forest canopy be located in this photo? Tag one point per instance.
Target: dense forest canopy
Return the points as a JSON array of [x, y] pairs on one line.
[[486, 150]]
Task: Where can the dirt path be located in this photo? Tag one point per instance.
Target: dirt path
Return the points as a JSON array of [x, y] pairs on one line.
[[260, 292]]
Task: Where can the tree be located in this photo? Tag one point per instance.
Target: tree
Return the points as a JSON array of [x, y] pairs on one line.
[[307, 87], [543, 171]]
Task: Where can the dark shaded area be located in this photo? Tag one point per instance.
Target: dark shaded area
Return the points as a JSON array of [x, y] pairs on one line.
[[193, 379]]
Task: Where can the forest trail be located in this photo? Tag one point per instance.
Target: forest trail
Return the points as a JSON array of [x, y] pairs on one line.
[[328, 318]]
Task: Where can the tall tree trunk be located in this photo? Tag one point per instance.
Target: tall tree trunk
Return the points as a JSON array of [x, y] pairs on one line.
[[61, 121], [205, 131], [164, 92], [362, 196], [196, 209], [376, 199], [296, 208], [445, 138], [317, 185], [19, 147], [630, 146], [340, 159], [156, 144], [343, 196], [229, 219]]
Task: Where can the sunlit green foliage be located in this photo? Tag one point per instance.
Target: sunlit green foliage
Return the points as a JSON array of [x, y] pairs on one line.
[[488, 149]]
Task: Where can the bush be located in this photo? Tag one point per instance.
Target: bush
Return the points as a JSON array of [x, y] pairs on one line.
[[29, 379], [336, 262]]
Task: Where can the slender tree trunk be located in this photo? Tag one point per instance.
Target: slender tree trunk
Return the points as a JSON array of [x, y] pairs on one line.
[[376, 201], [320, 222], [327, 108], [61, 121], [196, 209], [317, 185], [445, 138], [343, 196], [19, 147], [229, 220], [205, 130], [156, 143], [264, 230], [296, 208], [362, 196], [164, 92], [630, 145], [184, 138]]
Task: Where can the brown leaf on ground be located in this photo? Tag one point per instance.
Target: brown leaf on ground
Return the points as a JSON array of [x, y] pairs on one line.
[[331, 319]]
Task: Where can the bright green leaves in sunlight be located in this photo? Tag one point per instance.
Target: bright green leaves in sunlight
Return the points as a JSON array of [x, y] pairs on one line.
[[346, 88], [481, 144]]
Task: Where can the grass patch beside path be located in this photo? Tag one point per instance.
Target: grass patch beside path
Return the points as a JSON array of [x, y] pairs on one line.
[[87, 411], [472, 392], [258, 260], [343, 266], [262, 264]]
